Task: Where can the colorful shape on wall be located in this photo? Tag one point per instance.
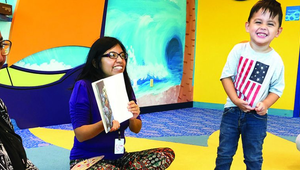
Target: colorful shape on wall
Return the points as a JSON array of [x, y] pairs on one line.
[[41, 25], [54, 37], [292, 13]]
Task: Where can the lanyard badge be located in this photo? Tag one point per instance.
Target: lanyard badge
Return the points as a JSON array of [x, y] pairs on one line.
[[119, 144]]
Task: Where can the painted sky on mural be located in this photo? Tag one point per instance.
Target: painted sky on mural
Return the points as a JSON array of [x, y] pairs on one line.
[[55, 59]]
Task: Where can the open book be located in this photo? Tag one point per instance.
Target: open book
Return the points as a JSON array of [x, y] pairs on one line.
[[112, 100]]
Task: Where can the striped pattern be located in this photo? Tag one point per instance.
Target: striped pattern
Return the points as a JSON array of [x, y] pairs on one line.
[[250, 75]]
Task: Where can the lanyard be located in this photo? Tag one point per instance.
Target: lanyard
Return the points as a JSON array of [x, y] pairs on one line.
[[119, 134]]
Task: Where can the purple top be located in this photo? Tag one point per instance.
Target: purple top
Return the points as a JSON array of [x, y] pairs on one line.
[[84, 111]]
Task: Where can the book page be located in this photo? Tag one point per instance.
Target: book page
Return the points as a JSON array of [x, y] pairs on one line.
[[112, 100], [103, 104], [117, 97]]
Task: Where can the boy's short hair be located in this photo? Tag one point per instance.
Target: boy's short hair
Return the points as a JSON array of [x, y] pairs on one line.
[[268, 5]]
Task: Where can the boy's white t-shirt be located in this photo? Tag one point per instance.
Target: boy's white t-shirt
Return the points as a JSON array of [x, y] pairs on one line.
[[254, 74]]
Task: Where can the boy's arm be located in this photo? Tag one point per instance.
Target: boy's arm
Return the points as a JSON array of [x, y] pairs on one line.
[[262, 107], [231, 92]]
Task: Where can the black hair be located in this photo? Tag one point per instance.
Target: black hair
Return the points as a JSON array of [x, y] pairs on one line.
[[268, 5], [92, 73]]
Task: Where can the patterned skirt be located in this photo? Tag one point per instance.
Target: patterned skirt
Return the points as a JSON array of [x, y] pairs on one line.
[[156, 159]]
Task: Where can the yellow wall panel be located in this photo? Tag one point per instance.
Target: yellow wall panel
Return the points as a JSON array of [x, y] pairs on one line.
[[221, 25]]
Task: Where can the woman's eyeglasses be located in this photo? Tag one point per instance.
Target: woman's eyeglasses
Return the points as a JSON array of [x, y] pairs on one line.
[[5, 46], [114, 55]]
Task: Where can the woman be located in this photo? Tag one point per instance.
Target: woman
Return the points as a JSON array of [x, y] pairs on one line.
[[108, 57], [12, 152]]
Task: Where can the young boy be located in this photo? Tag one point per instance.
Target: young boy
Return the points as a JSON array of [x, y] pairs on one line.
[[253, 78]]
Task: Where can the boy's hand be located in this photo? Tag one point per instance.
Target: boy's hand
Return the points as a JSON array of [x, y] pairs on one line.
[[243, 105], [261, 108]]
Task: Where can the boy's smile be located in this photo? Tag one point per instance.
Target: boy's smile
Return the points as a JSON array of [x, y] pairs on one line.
[[263, 29]]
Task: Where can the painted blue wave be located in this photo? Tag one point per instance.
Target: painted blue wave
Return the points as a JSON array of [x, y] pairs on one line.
[[153, 32]]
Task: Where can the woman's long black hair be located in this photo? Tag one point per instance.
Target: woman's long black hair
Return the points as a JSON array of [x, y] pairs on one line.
[[100, 46]]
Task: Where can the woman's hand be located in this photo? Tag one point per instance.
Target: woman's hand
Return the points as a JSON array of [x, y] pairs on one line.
[[116, 126], [134, 109], [135, 124]]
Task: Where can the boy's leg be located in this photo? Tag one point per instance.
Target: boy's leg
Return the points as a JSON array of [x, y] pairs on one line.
[[254, 132], [229, 136]]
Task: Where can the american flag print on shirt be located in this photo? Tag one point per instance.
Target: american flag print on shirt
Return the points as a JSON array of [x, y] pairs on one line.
[[249, 79]]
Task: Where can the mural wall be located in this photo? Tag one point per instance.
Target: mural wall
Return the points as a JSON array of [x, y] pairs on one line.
[[153, 32], [49, 49]]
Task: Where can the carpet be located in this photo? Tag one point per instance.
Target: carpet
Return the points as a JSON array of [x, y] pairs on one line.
[[192, 133]]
